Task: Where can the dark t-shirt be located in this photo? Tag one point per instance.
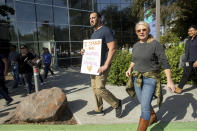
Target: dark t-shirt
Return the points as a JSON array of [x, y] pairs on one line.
[[149, 57], [106, 35], [2, 66], [24, 67]]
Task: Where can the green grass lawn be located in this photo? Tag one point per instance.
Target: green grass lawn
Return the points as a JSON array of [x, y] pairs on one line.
[[187, 126]]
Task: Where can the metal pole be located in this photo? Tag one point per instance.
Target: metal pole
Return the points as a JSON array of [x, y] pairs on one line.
[[158, 20], [36, 77]]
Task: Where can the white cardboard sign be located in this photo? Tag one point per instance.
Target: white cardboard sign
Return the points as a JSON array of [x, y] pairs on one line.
[[92, 57]]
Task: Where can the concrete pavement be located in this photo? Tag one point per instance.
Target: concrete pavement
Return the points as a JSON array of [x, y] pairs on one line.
[[175, 108]]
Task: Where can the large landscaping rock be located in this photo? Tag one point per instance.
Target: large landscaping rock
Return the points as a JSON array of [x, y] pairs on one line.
[[46, 105]]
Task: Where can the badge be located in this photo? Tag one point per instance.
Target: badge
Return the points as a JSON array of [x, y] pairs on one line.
[[187, 64]]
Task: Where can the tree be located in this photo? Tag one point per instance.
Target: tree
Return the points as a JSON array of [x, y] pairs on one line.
[[177, 14]]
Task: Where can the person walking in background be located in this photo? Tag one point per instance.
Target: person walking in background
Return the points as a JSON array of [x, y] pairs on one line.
[[148, 55], [107, 53], [190, 62], [37, 57], [13, 60], [25, 69], [3, 73], [46, 56]]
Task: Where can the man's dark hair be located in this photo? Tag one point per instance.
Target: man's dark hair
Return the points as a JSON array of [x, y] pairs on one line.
[[97, 13], [193, 26]]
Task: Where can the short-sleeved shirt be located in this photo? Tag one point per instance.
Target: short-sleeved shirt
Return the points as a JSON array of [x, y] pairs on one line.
[[149, 57], [13, 57], [2, 66], [106, 35], [47, 58]]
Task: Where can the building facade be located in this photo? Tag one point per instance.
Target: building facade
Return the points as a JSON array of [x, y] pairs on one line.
[[61, 25]]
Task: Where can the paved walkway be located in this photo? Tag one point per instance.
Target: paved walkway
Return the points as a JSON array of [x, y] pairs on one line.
[[175, 108]]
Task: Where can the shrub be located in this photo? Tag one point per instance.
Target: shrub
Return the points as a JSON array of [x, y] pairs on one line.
[[173, 54], [122, 61], [119, 66]]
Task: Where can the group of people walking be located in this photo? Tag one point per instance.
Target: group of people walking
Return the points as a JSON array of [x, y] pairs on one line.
[[148, 55], [21, 68]]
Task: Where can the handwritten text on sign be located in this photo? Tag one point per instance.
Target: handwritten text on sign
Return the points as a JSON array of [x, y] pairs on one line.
[[92, 56]]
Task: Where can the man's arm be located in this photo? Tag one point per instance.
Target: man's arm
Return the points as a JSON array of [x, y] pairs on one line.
[[5, 61], [112, 48]]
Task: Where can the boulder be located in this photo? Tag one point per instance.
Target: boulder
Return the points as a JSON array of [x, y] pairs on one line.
[[45, 105]]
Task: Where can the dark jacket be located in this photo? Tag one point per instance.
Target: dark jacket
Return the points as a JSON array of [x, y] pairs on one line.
[[191, 50], [24, 67]]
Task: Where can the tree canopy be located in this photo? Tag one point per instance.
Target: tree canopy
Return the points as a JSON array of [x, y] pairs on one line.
[[177, 14]]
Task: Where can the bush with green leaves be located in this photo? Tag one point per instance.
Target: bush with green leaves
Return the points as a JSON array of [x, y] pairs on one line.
[[173, 54], [122, 61], [119, 66]]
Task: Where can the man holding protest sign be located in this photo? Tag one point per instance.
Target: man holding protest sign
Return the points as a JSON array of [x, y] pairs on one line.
[[98, 81]]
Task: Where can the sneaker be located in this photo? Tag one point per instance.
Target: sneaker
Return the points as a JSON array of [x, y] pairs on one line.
[[178, 90], [119, 110], [95, 113], [8, 102]]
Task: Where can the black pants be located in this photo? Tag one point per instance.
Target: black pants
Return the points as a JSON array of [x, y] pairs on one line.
[[3, 89], [186, 74], [47, 69], [2, 84]]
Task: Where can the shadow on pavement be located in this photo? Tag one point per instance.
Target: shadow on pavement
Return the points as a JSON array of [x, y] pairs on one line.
[[175, 108], [4, 114], [77, 105], [189, 89], [73, 90]]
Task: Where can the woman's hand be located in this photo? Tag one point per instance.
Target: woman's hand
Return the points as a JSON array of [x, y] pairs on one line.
[[128, 72], [82, 51], [170, 85]]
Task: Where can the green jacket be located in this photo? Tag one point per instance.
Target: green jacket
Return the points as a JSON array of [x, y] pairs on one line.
[[156, 75]]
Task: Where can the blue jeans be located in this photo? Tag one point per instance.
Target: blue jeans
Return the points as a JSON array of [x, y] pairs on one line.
[[28, 81], [47, 69], [14, 68], [145, 95]]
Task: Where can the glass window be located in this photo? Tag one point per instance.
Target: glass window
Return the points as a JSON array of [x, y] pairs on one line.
[[126, 1], [10, 4], [48, 2], [25, 12], [45, 32], [2, 2], [76, 48], [27, 31], [103, 1], [62, 3], [115, 1], [76, 33], [86, 4], [75, 17], [75, 4], [85, 18], [123, 6], [87, 31], [60, 15], [4, 31], [61, 33], [63, 49], [26, 0], [13, 32], [44, 13]]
